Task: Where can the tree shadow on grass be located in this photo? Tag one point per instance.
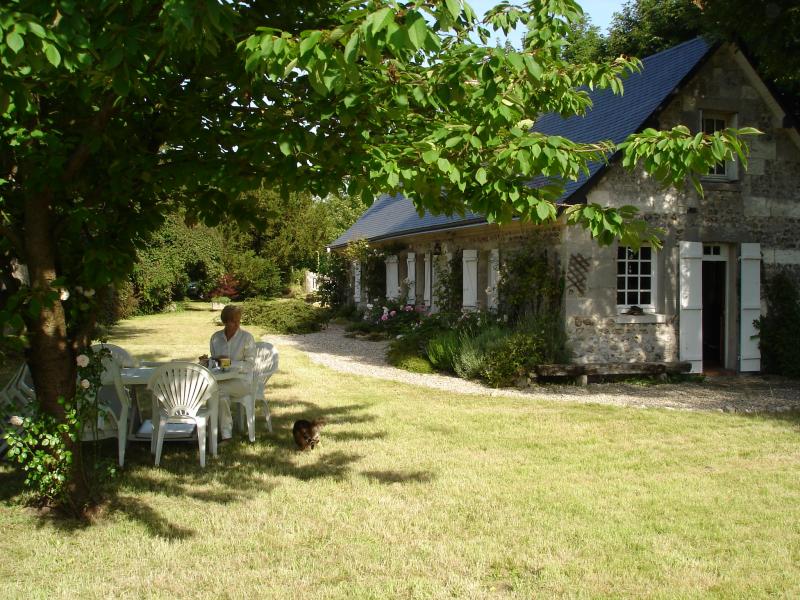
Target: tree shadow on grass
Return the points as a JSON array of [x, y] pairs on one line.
[[389, 477], [240, 472], [156, 525]]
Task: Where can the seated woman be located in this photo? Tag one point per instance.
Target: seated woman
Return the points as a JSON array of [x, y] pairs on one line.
[[238, 345]]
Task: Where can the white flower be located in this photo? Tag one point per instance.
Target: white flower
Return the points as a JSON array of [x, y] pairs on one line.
[[399, 337], [16, 421], [89, 293], [64, 295], [85, 384], [82, 360], [369, 306]]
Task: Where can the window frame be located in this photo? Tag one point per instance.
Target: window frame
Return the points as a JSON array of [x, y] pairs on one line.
[[731, 167], [647, 308]]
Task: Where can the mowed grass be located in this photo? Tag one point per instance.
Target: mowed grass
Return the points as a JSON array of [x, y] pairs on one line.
[[416, 493]]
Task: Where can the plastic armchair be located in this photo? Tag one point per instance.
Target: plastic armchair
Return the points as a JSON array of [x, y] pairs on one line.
[[16, 399], [270, 357], [113, 409], [122, 356], [266, 364], [182, 392]]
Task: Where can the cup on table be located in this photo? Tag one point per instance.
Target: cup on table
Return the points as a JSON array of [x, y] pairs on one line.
[[224, 362]]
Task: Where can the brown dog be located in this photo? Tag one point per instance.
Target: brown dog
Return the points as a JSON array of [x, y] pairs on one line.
[[306, 433]]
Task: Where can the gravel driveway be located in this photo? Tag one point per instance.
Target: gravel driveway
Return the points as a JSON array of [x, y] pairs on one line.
[[744, 393]]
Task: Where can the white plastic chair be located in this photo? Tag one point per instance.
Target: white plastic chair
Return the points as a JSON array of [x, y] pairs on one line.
[[182, 392], [16, 399], [266, 364], [113, 407], [122, 356]]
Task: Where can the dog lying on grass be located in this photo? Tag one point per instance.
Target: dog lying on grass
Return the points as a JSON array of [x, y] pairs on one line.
[[306, 433]]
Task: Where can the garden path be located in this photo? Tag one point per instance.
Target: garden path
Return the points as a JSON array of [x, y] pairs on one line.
[[746, 394]]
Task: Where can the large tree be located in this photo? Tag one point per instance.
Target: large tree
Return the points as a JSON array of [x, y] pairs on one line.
[[768, 30], [112, 111]]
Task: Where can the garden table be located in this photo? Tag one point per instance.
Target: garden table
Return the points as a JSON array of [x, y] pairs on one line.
[[140, 376]]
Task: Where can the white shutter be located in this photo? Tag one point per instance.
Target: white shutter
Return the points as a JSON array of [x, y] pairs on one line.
[[391, 277], [494, 279], [470, 279], [428, 297], [750, 306], [411, 269], [691, 304], [357, 281]]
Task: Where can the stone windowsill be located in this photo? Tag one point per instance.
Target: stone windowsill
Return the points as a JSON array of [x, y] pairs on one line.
[[645, 318]]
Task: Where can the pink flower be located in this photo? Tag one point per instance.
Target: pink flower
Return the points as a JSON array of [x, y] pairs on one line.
[[384, 317], [393, 313], [82, 360], [408, 308], [85, 384]]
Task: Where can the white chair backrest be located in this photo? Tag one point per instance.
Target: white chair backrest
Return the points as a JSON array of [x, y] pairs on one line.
[[266, 365], [182, 388], [112, 392], [19, 389], [119, 354]]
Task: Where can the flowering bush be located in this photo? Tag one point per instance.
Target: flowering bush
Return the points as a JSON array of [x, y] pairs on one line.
[[393, 317], [39, 443]]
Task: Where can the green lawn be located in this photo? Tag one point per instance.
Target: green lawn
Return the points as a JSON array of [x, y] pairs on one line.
[[416, 493]]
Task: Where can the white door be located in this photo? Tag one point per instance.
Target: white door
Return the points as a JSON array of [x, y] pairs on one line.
[[750, 307], [691, 304]]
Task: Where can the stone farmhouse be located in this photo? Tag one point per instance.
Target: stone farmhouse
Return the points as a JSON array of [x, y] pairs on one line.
[[697, 297]]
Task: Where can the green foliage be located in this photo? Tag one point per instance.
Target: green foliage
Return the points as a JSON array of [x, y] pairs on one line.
[[442, 349], [448, 288], [334, 284], [585, 42], [393, 317], [256, 276], [291, 230], [510, 358], [404, 353], [284, 316], [39, 443], [39, 447], [530, 284], [471, 360], [176, 254], [373, 267], [645, 27], [779, 328]]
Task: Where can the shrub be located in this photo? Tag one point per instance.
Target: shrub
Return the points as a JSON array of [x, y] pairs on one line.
[[227, 286], [511, 357], [284, 316], [442, 348], [779, 329], [254, 275], [405, 353], [117, 303]]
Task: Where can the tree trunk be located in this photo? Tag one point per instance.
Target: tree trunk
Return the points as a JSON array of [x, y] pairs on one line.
[[51, 356]]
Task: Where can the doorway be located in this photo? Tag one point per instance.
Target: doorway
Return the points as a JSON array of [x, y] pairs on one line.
[[714, 306]]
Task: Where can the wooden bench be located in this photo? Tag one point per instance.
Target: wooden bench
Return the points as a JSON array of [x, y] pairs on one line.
[[582, 371]]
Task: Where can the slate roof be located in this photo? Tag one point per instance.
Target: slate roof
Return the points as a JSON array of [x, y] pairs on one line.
[[611, 117]]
